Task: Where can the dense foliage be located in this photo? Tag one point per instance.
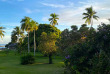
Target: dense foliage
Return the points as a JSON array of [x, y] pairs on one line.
[[47, 44], [70, 38], [47, 28], [91, 56], [27, 59]]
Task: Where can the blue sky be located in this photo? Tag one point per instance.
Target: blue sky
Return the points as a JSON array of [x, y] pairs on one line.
[[69, 11]]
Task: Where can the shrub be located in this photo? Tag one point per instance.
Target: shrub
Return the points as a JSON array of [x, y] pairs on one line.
[[91, 56], [27, 59], [77, 60]]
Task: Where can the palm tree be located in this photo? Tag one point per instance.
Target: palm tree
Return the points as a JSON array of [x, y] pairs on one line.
[[17, 32], [2, 32], [26, 26], [90, 15], [34, 27], [53, 19]]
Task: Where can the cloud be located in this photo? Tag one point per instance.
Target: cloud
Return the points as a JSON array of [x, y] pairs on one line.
[[10, 24], [27, 10], [9, 28], [69, 4], [101, 7], [45, 19], [5, 40], [73, 16], [54, 5]]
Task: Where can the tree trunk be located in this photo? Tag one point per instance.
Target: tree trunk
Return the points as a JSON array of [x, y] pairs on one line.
[[50, 58], [34, 43], [28, 43], [91, 22], [18, 39]]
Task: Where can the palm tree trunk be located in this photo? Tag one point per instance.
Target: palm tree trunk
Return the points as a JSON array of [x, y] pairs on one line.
[[18, 39], [34, 43], [91, 22], [28, 43]]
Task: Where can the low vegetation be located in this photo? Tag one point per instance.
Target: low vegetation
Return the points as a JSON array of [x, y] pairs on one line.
[[41, 66], [27, 59]]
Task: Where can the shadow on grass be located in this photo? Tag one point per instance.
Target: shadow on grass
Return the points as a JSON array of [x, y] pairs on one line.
[[39, 63]]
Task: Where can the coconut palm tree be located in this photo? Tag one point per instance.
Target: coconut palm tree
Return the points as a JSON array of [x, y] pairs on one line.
[[53, 19], [34, 27], [17, 32], [26, 26], [90, 15], [2, 32]]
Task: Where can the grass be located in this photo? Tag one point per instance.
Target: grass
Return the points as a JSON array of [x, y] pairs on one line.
[[10, 64]]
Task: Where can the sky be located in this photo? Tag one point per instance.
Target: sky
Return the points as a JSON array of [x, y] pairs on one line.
[[69, 11]]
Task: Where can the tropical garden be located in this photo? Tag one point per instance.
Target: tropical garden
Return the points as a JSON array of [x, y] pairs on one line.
[[44, 49]]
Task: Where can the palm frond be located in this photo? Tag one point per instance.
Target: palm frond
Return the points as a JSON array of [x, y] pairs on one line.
[[85, 17], [53, 19]]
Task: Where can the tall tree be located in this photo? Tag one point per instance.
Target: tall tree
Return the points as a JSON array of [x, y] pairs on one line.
[[34, 27], [90, 15], [68, 39], [42, 28], [84, 31], [17, 33], [53, 19], [26, 26], [47, 44], [2, 32]]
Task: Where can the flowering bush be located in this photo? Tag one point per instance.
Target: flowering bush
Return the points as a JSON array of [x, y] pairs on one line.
[[67, 60]]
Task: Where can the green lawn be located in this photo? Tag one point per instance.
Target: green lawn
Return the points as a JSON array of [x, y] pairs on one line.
[[10, 64]]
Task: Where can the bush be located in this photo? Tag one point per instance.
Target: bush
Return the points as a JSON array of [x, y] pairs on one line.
[[76, 61], [91, 56], [27, 59]]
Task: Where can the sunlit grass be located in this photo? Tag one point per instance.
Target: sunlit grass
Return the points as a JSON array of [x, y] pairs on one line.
[[10, 64]]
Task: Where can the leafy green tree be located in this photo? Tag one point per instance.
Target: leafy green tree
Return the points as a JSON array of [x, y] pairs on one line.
[[68, 39], [47, 44], [84, 31], [13, 38], [53, 19], [19, 45], [2, 32], [23, 45], [43, 28], [90, 15], [26, 26], [77, 59], [34, 27], [100, 63], [48, 29]]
